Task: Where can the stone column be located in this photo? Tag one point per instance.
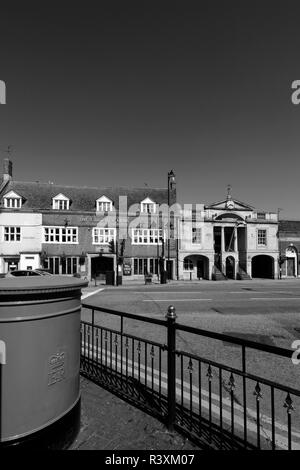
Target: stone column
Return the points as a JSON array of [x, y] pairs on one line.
[[275, 267], [222, 240], [249, 266], [235, 239], [236, 267]]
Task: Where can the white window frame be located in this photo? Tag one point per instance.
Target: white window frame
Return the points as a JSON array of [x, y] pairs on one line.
[[147, 236], [61, 203], [196, 238], [259, 237], [13, 233], [104, 204], [102, 236], [12, 202], [60, 235], [148, 206]]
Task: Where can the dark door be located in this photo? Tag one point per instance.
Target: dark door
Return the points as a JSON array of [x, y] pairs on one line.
[[170, 269], [200, 269], [290, 267], [100, 266], [230, 267]]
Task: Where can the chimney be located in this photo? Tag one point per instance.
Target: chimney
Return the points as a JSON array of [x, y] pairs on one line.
[[7, 170]]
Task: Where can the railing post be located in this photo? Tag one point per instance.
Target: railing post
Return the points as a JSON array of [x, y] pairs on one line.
[[171, 318]]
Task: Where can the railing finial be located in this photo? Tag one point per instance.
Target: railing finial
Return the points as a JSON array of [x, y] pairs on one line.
[[171, 313]]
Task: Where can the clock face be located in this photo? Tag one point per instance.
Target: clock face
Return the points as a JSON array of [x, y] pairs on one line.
[[230, 205]]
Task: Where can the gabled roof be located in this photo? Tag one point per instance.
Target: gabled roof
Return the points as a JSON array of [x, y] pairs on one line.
[[147, 200], [12, 194], [103, 199], [238, 205], [39, 196], [61, 197]]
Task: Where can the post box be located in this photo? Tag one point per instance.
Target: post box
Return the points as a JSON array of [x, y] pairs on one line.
[[40, 361]]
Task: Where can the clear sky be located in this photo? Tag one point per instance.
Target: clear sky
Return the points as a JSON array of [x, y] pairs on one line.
[[112, 93]]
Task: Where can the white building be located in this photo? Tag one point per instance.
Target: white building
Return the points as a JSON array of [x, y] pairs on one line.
[[21, 240], [227, 239]]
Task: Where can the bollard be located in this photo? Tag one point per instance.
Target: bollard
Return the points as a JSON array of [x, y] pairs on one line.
[[171, 318], [40, 361]]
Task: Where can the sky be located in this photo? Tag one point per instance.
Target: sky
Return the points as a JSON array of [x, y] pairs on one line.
[[115, 93]]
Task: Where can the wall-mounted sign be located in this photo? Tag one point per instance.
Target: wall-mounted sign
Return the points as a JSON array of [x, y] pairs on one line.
[[127, 270]]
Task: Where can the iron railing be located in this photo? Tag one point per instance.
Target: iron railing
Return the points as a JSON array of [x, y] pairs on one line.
[[214, 404]]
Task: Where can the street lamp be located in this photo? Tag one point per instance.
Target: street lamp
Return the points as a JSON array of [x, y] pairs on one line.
[[171, 181], [161, 261]]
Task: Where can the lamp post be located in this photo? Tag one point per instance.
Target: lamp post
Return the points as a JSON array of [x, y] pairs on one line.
[[171, 181], [117, 251], [162, 261]]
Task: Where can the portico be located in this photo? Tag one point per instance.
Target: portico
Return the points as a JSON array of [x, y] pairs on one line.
[[238, 240]]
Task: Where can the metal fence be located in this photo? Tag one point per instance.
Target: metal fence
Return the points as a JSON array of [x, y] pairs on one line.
[[216, 405]]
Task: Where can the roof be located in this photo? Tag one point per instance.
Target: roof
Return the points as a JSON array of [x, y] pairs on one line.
[[39, 195], [289, 226], [222, 204]]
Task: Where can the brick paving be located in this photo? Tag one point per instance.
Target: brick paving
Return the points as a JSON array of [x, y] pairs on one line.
[[109, 423]]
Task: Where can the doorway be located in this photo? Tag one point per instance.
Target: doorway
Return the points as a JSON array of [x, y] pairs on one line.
[[100, 265], [263, 267], [169, 266], [230, 264], [290, 267]]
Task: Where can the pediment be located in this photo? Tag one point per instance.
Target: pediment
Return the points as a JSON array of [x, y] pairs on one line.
[[104, 199], [236, 206], [61, 197], [147, 201], [12, 195]]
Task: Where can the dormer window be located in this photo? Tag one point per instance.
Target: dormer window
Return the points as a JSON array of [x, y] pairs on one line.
[[61, 203], [148, 206], [12, 200], [103, 204]]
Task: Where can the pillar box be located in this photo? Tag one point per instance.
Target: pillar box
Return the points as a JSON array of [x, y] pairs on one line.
[[39, 361]]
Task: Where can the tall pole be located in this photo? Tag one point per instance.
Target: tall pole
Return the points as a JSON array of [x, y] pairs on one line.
[[171, 180], [117, 252], [279, 244], [168, 223]]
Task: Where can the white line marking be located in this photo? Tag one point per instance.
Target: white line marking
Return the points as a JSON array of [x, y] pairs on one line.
[[274, 298], [84, 296], [221, 300], [175, 300]]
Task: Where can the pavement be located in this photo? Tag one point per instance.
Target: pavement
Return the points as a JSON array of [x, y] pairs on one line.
[[109, 423]]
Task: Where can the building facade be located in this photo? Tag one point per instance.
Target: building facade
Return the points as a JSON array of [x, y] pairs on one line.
[[289, 246], [83, 230], [228, 240], [138, 231]]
